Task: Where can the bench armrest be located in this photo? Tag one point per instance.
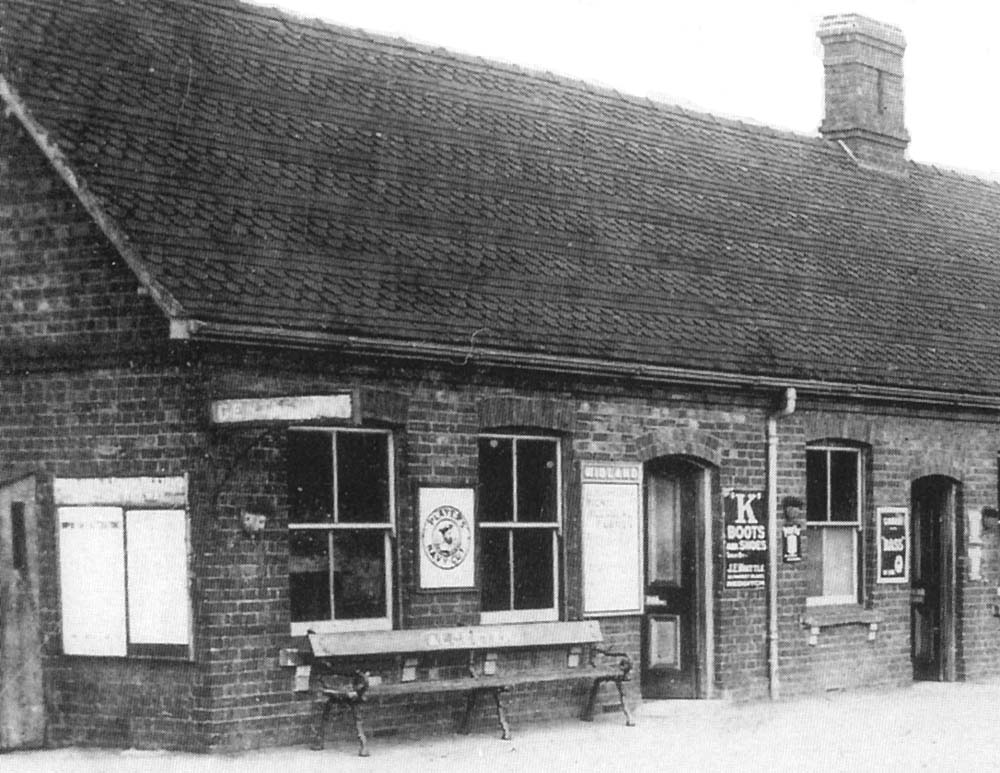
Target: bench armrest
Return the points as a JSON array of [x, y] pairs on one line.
[[354, 684], [624, 661]]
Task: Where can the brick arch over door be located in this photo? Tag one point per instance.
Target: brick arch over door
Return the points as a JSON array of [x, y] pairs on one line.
[[684, 441], [923, 464]]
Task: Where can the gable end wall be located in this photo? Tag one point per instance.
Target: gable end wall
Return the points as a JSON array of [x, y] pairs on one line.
[[63, 288]]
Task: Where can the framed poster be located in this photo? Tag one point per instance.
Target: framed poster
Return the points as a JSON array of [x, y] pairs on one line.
[[893, 544], [611, 518], [446, 528], [745, 539]]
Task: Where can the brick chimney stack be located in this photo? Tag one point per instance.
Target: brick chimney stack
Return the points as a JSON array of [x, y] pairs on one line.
[[863, 67]]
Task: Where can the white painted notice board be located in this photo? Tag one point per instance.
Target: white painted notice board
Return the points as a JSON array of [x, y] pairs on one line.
[[92, 580], [611, 515], [157, 576]]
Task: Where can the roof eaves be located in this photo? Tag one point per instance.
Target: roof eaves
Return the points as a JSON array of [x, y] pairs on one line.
[[14, 105], [467, 354]]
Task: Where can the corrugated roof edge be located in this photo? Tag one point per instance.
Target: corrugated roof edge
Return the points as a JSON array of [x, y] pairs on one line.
[[739, 125], [15, 106]]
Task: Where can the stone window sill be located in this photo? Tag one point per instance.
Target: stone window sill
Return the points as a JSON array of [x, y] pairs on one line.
[[818, 618]]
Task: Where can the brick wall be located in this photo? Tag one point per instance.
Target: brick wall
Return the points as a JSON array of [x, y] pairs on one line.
[[603, 421], [149, 420], [64, 291], [105, 422], [87, 389]]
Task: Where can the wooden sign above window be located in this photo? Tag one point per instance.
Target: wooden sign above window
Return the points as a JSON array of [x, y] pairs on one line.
[[282, 409]]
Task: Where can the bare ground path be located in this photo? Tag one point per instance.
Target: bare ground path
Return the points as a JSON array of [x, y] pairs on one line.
[[933, 727]]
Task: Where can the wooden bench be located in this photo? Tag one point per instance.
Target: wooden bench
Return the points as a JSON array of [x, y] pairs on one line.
[[481, 674]]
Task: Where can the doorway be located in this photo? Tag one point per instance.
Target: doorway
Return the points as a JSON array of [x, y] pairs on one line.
[[676, 617], [934, 504], [22, 710]]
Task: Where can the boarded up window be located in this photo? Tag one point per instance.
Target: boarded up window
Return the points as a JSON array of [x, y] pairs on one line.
[[92, 579], [124, 581], [156, 560]]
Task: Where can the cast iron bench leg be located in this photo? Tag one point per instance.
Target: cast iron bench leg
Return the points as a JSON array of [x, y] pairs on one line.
[[359, 728], [318, 738], [470, 705], [588, 712], [501, 713], [629, 722]]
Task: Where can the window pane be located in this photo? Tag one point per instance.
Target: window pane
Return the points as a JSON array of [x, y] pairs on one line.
[[533, 575], [832, 564], [362, 477], [816, 486], [309, 575], [839, 566], [359, 575], [843, 486], [495, 557], [496, 482], [814, 560], [536, 481], [664, 530], [310, 477]]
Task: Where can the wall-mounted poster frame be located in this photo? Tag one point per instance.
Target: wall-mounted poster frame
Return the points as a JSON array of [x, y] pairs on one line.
[[892, 530], [611, 525], [447, 525]]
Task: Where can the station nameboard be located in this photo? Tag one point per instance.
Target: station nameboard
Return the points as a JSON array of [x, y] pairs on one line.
[[893, 548], [124, 492], [271, 409], [745, 539], [611, 512]]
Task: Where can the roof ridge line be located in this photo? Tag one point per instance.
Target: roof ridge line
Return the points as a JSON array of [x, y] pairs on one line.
[[15, 106], [443, 52], [740, 124], [743, 125]]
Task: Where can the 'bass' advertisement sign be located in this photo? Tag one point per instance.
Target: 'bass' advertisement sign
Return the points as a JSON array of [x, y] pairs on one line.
[[893, 544]]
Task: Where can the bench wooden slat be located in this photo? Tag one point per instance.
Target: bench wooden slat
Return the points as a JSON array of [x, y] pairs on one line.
[[464, 684], [503, 636]]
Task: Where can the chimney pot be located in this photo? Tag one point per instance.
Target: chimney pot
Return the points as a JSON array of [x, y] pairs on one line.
[[863, 69]]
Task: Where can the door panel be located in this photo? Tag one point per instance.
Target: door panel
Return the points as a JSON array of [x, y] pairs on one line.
[[670, 625], [22, 713], [933, 506]]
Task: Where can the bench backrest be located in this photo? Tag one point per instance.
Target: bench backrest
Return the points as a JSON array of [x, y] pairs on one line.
[[485, 637]]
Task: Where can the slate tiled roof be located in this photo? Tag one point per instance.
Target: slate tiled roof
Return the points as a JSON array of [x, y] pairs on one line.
[[282, 173]]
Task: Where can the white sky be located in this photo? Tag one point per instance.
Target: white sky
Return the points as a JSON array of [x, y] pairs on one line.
[[758, 60]]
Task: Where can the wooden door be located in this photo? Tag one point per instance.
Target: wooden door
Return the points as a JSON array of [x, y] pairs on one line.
[[670, 667], [22, 711], [932, 616]]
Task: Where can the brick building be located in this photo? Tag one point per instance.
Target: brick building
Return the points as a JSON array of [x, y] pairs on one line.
[[273, 293]]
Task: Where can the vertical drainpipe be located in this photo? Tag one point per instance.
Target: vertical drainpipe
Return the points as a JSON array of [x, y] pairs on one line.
[[787, 409]]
